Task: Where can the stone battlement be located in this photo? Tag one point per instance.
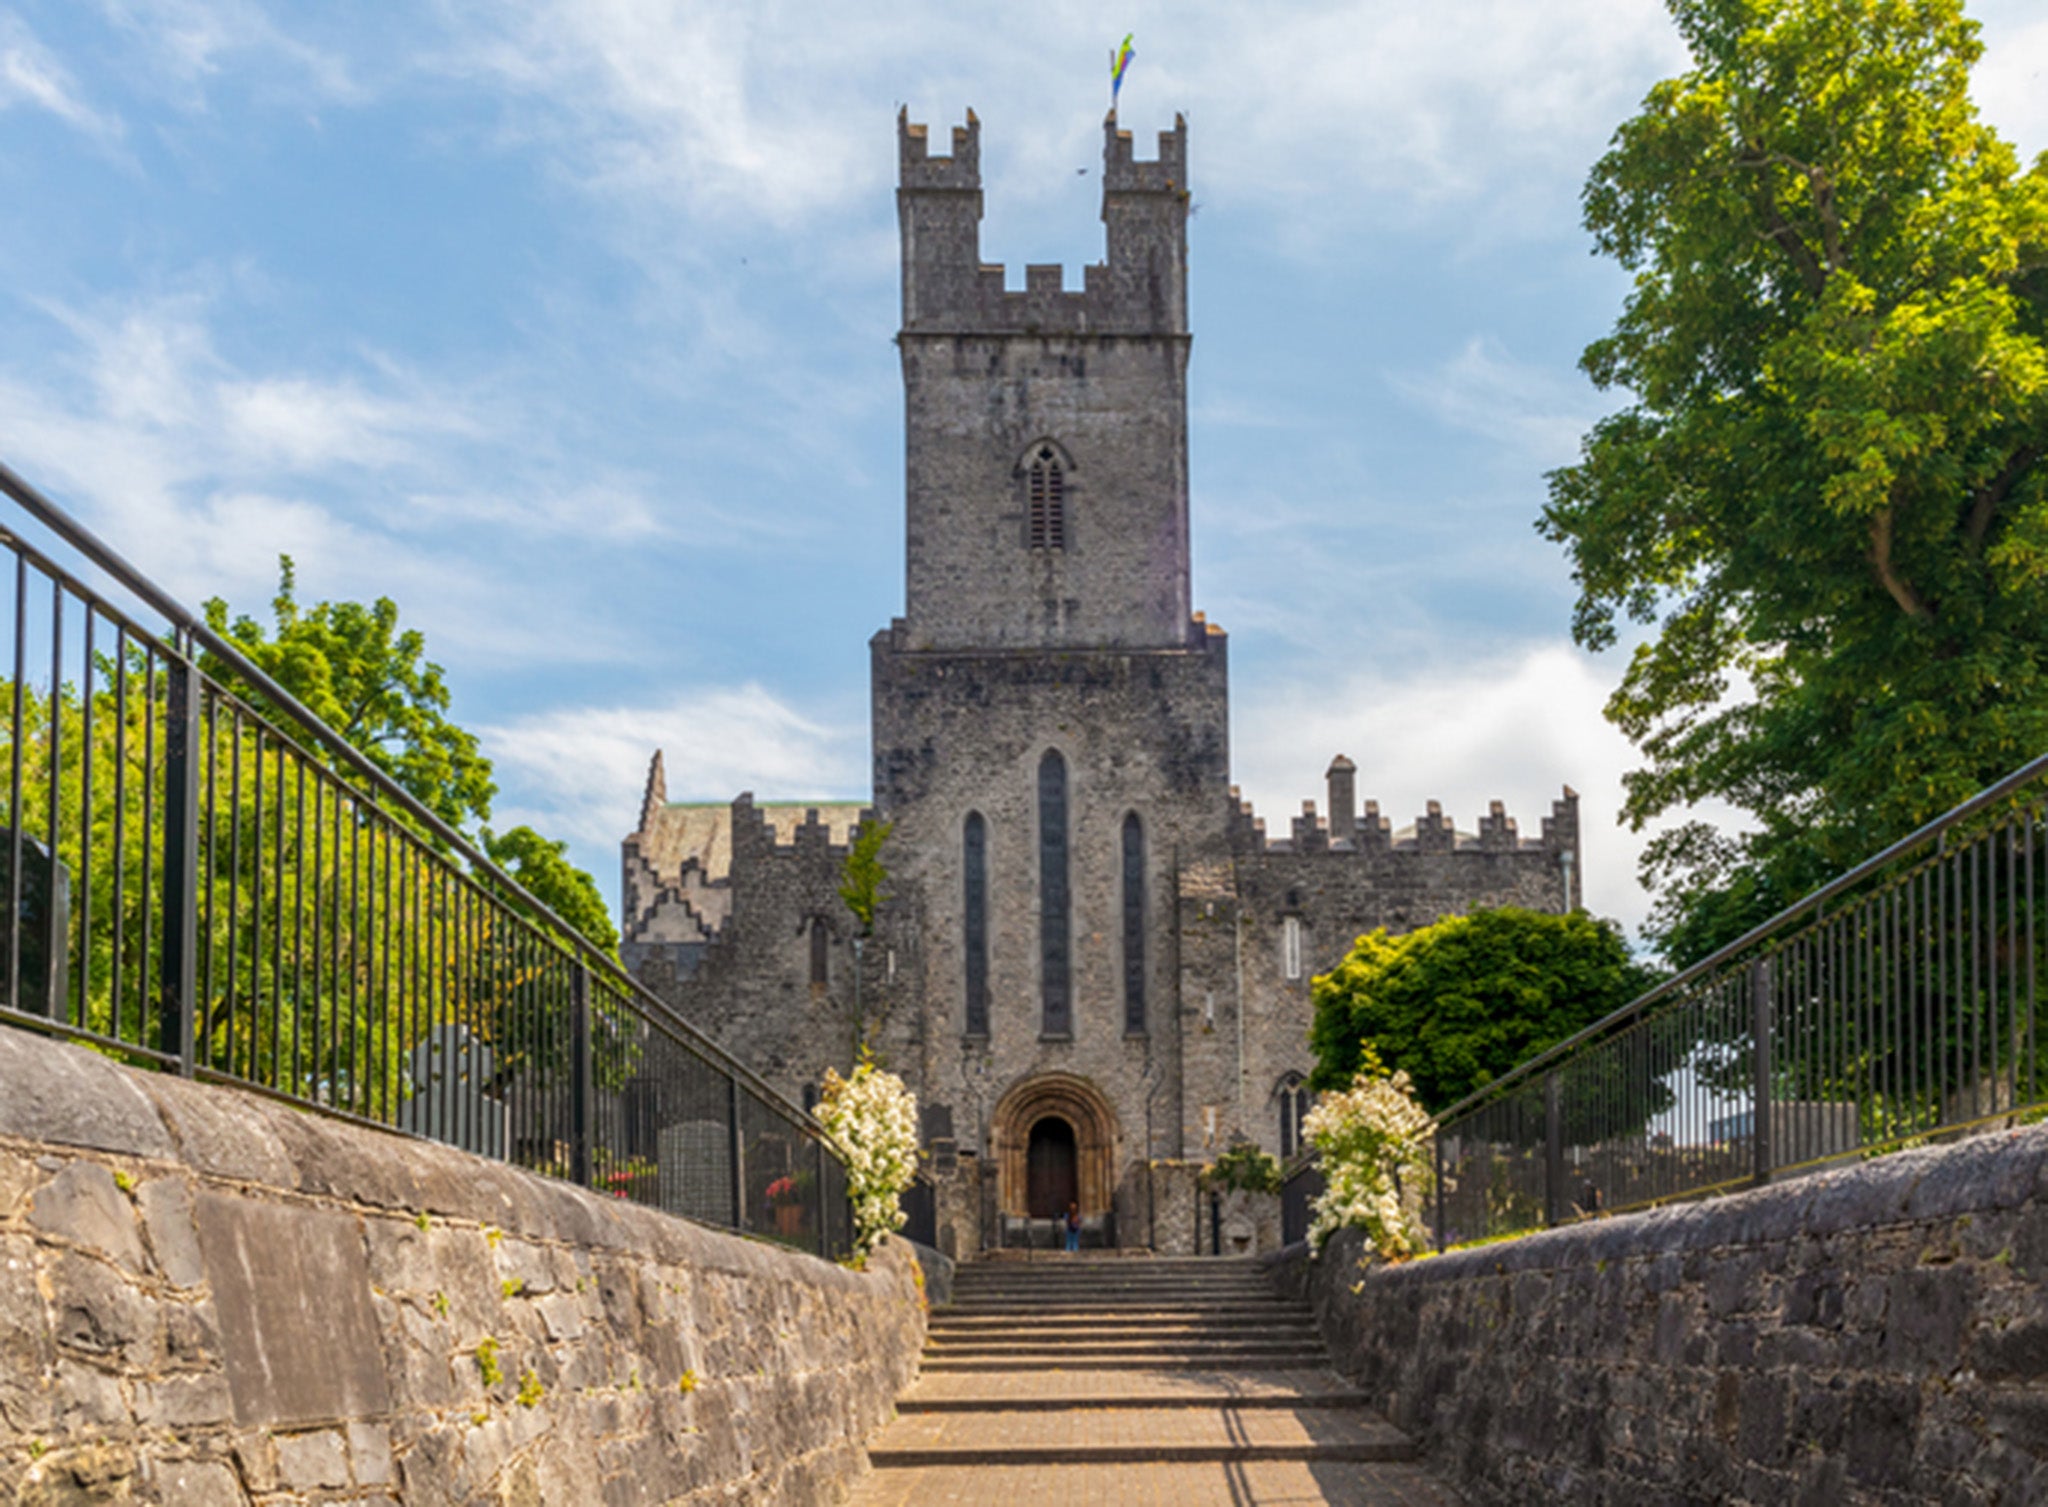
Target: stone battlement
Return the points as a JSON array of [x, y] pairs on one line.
[[1140, 289], [1346, 830]]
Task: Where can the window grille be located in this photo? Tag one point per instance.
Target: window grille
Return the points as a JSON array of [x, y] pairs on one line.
[[1048, 500], [1055, 963], [974, 865]]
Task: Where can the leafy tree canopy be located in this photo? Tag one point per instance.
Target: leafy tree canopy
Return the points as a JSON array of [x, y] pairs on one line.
[[357, 671], [369, 679], [1460, 1003], [1829, 497], [543, 869]]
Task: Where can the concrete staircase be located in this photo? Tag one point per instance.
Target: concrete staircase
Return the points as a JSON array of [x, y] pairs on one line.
[[1078, 1379]]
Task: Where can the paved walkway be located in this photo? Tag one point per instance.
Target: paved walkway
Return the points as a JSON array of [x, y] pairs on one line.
[[1186, 1383]]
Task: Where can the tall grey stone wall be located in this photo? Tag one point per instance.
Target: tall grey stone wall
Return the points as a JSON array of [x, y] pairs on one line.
[[1875, 1335], [1143, 733], [209, 1299]]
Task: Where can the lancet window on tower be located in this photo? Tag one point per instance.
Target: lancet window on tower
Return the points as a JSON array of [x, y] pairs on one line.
[[1055, 960], [1046, 496], [974, 869], [821, 941], [1134, 926]]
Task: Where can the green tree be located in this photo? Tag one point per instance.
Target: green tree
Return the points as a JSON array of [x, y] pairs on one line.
[[1828, 496], [543, 869], [369, 680], [863, 878], [1460, 1003]]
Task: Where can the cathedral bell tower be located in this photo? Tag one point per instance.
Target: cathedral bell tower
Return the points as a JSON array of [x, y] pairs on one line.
[[1047, 442], [1050, 718]]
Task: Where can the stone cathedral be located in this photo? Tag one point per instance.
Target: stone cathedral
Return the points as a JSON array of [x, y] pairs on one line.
[[1093, 964]]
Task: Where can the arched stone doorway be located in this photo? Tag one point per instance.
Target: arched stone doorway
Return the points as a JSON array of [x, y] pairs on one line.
[[1052, 1170], [1042, 1128]]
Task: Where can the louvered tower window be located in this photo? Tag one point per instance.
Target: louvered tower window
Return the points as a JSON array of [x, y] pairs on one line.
[[1055, 960], [1048, 500], [1134, 926], [974, 865]]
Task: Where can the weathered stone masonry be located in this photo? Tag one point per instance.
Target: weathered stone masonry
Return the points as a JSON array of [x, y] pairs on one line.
[[1048, 616], [207, 1298], [1873, 1335]]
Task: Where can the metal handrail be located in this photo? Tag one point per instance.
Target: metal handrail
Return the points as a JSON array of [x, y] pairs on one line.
[[195, 628], [1989, 796]]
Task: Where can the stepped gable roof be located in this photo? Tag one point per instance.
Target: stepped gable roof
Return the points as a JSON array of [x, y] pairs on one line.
[[703, 830]]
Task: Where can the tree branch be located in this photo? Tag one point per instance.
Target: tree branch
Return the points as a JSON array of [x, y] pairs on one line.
[[1781, 229], [1881, 560], [1830, 218], [1994, 492]]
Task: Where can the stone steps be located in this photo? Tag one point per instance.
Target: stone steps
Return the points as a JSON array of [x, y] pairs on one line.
[[1094, 1380], [1082, 1312], [1293, 1361], [1182, 1483], [1020, 1436], [1311, 1386], [1030, 1331], [1137, 1349]]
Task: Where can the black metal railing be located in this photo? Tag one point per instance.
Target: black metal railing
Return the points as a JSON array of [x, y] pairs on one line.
[[921, 1211], [205, 878], [1300, 1186], [1895, 1004]]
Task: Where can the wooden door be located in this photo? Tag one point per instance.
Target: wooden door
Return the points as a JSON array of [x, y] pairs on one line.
[[1053, 1167]]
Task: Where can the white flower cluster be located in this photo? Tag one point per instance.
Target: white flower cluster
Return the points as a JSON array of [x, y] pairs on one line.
[[1373, 1143], [873, 1117]]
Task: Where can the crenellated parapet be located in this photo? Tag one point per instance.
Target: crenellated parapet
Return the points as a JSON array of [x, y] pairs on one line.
[[1346, 830], [1140, 288]]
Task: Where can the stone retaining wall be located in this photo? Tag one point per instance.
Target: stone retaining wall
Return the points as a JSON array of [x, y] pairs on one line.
[[207, 1298], [1871, 1335]]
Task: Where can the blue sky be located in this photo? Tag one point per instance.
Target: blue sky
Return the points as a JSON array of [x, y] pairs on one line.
[[566, 324]]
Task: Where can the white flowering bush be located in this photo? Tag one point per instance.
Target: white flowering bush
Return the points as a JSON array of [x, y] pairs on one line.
[[1373, 1143], [873, 1117]]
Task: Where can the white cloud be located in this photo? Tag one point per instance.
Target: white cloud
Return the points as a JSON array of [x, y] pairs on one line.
[[192, 43], [30, 74], [581, 769], [301, 424], [1515, 729], [206, 471], [2011, 85], [1537, 412], [1332, 115]]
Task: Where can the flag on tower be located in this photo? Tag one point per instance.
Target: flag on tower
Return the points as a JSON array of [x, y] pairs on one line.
[[1119, 60]]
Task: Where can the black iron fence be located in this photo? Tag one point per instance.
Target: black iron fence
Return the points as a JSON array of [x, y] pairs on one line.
[[1894, 1005], [205, 878], [1300, 1186]]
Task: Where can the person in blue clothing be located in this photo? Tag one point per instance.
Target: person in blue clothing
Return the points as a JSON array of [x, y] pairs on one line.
[[1073, 1222]]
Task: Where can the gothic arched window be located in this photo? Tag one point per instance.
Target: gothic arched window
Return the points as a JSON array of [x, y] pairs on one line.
[[1054, 926], [1134, 926], [1046, 500], [1296, 1100], [974, 925]]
